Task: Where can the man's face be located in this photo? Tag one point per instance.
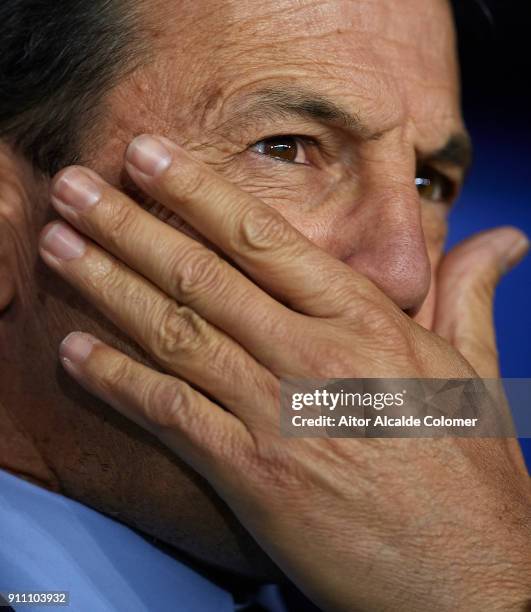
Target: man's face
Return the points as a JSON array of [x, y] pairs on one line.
[[357, 95], [327, 111]]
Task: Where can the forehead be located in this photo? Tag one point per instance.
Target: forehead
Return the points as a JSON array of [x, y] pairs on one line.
[[393, 63]]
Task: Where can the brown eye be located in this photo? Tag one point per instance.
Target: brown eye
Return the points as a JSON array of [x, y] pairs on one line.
[[434, 186], [284, 148]]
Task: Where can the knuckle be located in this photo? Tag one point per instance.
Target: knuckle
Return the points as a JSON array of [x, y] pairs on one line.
[[168, 403], [372, 337], [119, 223], [223, 360], [346, 296], [172, 405], [116, 375], [180, 331], [377, 322], [198, 272], [329, 359], [108, 281], [105, 277], [385, 336], [274, 467], [262, 228]]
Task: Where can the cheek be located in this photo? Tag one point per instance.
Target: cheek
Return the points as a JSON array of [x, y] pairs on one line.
[[286, 186]]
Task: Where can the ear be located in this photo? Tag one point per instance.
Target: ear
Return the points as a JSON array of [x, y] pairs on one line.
[[17, 185]]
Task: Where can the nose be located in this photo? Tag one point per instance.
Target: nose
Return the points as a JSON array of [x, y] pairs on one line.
[[383, 239]]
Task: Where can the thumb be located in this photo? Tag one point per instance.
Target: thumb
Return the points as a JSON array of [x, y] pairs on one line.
[[467, 280]]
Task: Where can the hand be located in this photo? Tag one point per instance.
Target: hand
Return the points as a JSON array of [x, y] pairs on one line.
[[357, 524]]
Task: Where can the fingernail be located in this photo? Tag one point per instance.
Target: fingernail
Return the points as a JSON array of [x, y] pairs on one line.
[[149, 155], [76, 347], [515, 255], [62, 242], [75, 188]]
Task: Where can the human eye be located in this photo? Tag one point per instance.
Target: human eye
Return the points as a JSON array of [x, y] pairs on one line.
[[285, 148], [434, 186]]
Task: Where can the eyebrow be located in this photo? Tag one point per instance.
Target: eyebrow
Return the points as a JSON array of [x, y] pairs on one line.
[[457, 151], [272, 102], [264, 103]]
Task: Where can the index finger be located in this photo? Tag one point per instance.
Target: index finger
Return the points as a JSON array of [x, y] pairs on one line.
[[255, 236]]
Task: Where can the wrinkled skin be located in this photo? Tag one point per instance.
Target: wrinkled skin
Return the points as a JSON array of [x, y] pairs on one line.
[[396, 72]]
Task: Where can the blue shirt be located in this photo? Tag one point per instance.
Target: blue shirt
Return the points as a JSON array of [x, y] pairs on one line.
[[51, 543]]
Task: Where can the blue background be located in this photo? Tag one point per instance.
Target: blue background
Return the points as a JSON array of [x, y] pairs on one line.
[[495, 54], [498, 193]]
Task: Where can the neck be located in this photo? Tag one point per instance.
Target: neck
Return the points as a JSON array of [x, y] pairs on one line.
[[20, 456]]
